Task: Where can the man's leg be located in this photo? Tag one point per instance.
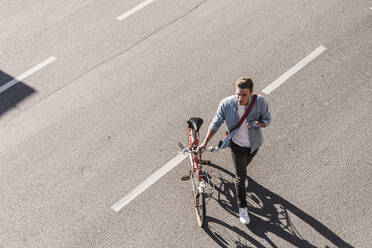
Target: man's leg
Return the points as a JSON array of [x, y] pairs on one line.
[[241, 158], [249, 161]]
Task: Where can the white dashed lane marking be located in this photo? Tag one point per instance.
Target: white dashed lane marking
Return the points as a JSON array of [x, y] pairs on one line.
[[293, 70], [26, 74], [148, 182], [134, 10]]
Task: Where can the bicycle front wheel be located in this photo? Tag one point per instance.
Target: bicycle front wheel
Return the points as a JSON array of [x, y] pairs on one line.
[[200, 210]]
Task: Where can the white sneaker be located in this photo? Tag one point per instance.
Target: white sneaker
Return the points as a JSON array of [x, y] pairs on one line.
[[244, 218], [246, 183]]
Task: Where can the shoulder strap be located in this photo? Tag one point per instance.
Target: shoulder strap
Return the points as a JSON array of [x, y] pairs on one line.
[[250, 106]]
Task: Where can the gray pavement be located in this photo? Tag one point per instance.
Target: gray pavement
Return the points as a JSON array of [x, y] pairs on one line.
[[79, 134]]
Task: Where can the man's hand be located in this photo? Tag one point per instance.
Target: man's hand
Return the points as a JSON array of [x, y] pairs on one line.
[[203, 145], [258, 124], [201, 148]]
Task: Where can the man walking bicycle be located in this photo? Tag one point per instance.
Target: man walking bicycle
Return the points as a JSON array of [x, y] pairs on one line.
[[247, 137]]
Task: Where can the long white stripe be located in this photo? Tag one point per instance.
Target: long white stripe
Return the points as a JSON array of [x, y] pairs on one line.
[[148, 182], [134, 10], [26, 74], [293, 70]]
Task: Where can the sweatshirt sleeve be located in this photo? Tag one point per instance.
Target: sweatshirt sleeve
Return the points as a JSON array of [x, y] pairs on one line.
[[265, 114], [219, 118]]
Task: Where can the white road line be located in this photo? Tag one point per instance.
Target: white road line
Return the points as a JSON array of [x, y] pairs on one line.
[[148, 182], [26, 74], [293, 70], [134, 10]]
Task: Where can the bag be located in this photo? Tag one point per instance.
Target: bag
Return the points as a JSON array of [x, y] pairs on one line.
[[225, 143]]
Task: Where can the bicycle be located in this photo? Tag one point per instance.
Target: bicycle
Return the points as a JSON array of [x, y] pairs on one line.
[[199, 179]]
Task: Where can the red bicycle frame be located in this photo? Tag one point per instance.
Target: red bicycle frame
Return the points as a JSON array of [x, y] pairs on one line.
[[192, 144]]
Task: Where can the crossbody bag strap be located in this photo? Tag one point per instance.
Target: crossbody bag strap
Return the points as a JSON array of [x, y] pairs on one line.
[[224, 143], [250, 106]]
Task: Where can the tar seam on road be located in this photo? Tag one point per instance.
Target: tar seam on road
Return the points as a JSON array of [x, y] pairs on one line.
[[27, 73], [134, 10], [293, 70], [148, 182]]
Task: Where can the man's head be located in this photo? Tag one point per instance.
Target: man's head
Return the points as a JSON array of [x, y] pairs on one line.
[[244, 89]]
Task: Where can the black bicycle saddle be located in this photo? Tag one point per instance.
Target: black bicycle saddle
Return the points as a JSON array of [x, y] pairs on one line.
[[195, 123]]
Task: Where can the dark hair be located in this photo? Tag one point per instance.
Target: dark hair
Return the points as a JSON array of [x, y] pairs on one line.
[[245, 83]]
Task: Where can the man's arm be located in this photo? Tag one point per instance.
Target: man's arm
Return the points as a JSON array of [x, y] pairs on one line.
[[265, 116], [218, 119]]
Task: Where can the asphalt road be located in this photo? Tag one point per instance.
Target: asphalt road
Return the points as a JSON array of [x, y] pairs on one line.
[[81, 132]]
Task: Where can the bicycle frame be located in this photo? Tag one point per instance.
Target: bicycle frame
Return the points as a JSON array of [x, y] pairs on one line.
[[200, 180], [193, 139]]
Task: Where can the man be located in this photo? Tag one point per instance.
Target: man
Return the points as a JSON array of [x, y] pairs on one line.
[[247, 140]]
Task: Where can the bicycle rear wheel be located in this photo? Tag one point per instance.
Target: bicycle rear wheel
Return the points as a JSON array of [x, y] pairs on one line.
[[200, 210]]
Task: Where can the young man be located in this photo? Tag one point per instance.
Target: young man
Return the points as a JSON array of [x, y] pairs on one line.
[[247, 140]]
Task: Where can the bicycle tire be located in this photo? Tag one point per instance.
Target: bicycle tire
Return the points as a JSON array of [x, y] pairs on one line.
[[200, 209]]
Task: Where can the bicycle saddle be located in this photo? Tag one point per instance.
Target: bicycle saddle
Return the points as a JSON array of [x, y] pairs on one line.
[[195, 123]]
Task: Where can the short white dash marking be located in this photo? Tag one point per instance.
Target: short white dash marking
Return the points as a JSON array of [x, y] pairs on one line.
[[293, 70], [27, 73], [148, 182], [134, 10]]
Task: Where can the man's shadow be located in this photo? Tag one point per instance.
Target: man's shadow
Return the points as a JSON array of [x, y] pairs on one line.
[[269, 213]]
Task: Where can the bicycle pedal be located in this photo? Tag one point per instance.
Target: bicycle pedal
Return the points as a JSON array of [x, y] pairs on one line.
[[207, 162], [185, 178]]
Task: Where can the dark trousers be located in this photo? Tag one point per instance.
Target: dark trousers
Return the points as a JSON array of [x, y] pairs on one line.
[[241, 156]]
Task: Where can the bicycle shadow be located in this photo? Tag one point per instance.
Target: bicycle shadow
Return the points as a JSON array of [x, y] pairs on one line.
[[269, 213]]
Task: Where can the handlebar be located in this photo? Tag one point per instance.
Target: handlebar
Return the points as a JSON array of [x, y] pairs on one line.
[[208, 149], [212, 149]]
